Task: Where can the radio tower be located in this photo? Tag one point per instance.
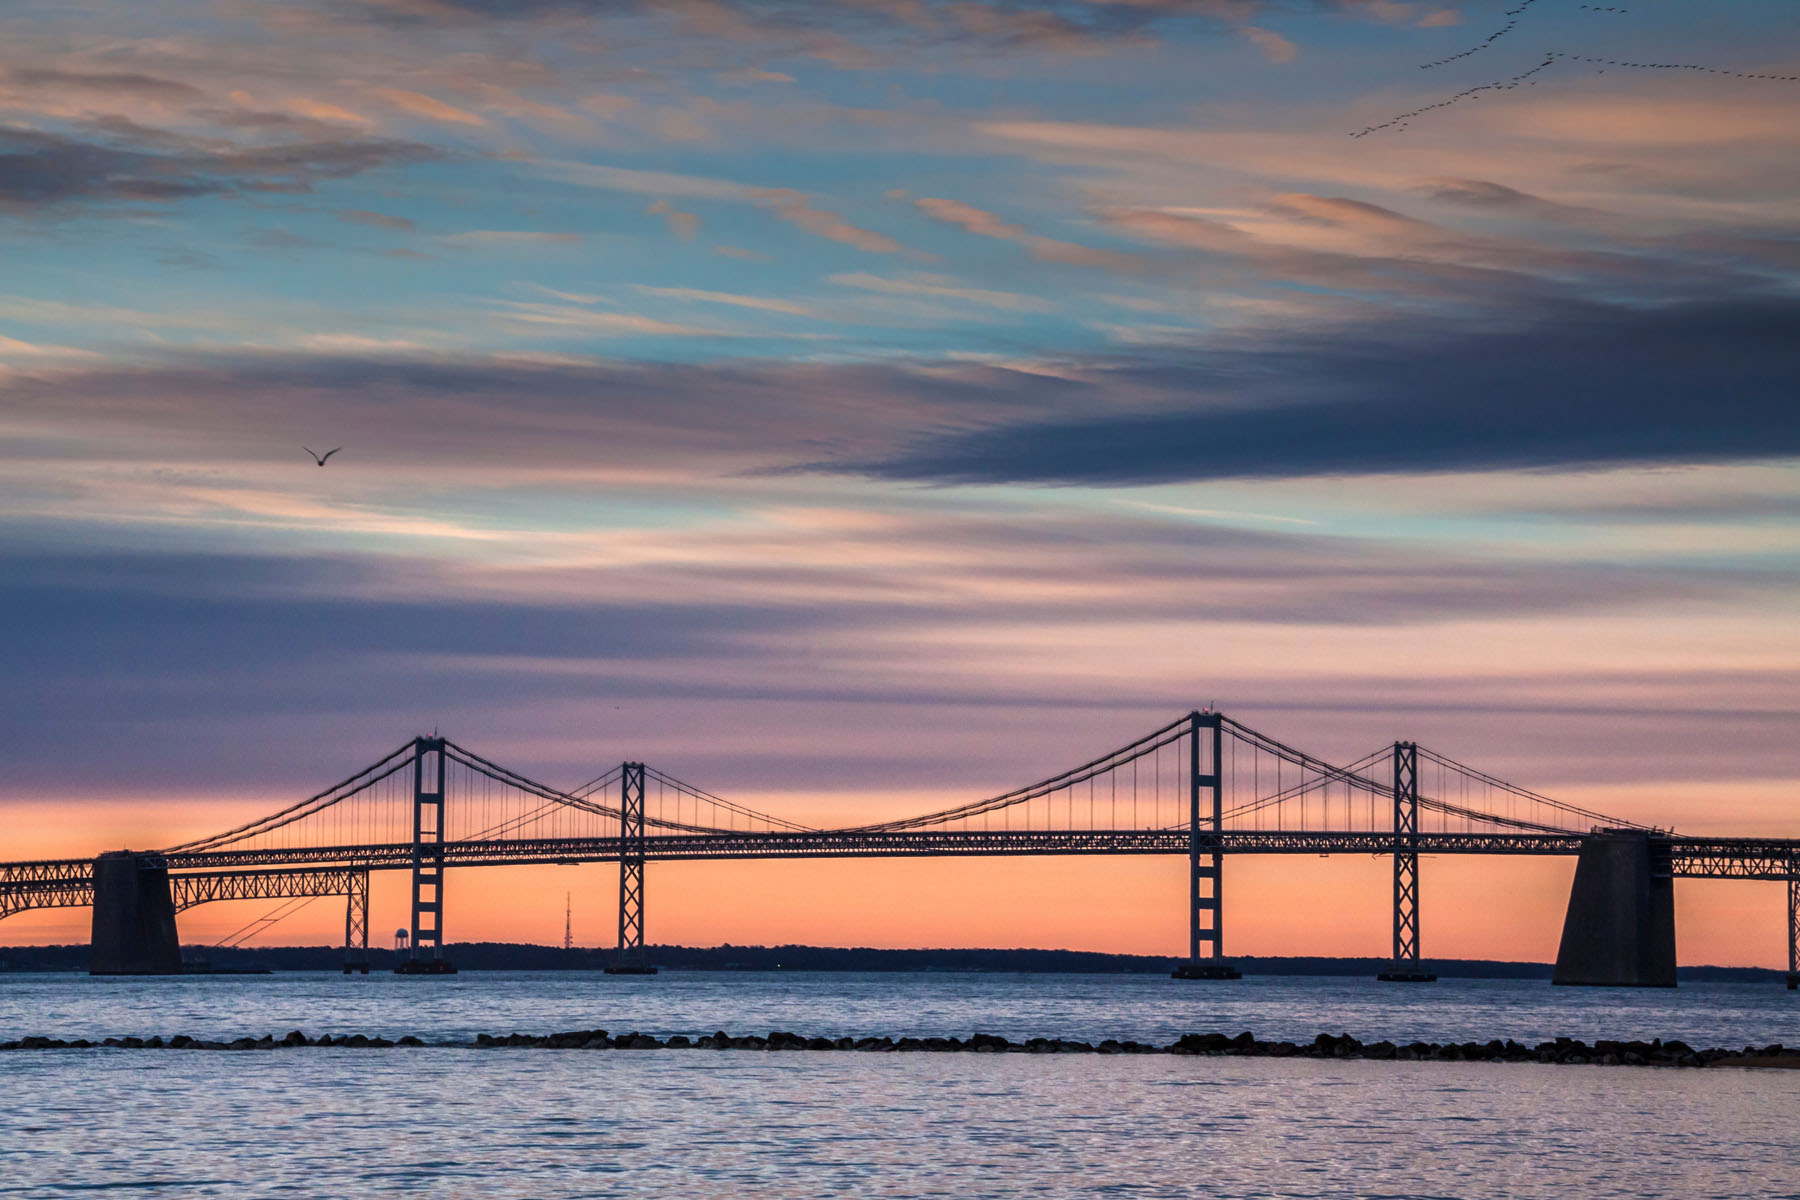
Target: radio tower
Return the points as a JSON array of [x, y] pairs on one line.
[[568, 923]]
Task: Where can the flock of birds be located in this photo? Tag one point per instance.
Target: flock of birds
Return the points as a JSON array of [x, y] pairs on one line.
[[1643, 66], [1512, 19], [1402, 120]]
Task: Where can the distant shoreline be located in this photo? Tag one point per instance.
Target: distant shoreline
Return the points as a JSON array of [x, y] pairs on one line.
[[505, 956]]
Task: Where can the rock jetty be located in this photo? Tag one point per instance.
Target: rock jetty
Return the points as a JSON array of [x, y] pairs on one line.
[[1565, 1051]]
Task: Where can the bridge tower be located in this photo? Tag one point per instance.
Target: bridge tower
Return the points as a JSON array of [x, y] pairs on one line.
[[356, 923], [1406, 967], [630, 958], [1206, 876], [426, 954]]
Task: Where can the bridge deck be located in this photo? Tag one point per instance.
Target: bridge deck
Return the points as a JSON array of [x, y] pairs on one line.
[[226, 874]]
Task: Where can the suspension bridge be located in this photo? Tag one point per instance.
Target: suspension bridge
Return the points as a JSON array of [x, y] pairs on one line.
[[1204, 786]]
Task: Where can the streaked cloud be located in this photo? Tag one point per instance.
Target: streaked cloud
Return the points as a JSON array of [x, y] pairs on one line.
[[588, 321], [794, 208], [514, 237], [986, 224], [943, 288], [419, 105], [1577, 388], [683, 225], [734, 300], [47, 171]]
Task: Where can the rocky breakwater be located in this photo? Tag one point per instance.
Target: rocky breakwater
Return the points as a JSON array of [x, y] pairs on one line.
[[1562, 1051]]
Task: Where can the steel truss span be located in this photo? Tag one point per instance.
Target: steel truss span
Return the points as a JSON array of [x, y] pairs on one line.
[[908, 844], [274, 883], [248, 875], [1692, 858]]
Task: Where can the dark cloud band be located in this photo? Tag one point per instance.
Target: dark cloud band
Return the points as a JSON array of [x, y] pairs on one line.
[[1579, 388]]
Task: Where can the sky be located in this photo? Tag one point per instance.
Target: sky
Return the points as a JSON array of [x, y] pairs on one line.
[[855, 409]]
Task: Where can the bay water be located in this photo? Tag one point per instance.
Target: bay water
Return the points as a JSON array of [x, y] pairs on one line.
[[542, 1123]]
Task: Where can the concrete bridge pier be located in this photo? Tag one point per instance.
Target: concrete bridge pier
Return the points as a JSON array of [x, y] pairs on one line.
[[134, 917], [1620, 927]]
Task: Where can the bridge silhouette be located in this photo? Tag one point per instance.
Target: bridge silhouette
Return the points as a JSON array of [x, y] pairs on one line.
[[1204, 786]]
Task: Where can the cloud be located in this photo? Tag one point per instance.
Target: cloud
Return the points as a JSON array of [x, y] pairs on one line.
[[648, 183], [506, 237], [982, 223], [943, 288], [853, 36], [794, 208], [1274, 47], [319, 110], [683, 225], [1487, 196], [1578, 388], [1338, 246], [362, 216], [880, 609], [46, 171], [612, 324], [734, 300], [130, 84], [420, 105]]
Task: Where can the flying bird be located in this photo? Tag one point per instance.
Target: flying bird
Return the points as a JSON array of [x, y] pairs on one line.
[[320, 458]]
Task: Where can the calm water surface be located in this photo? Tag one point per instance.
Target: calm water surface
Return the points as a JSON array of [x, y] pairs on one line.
[[539, 1123], [1145, 1007]]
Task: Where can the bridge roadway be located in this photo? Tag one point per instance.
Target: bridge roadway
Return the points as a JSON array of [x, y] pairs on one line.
[[248, 874]]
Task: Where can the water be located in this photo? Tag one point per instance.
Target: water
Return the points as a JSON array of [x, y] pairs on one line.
[[1151, 1008], [554, 1124]]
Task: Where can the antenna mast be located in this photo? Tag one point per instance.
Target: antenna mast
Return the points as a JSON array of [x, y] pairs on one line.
[[568, 923]]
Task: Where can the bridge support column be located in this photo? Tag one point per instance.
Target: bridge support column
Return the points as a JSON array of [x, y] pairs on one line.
[[1206, 873], [356, 924], [1406, 966], [1620, 927], [630, 958], [134, 917], [1793, 971], [426, 955]]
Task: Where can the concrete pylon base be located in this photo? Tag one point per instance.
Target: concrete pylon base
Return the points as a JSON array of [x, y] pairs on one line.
[[1620, 928], [134, 918]]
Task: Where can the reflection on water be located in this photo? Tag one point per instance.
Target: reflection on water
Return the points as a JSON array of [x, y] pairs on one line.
[[544, 1123], [1144, 1007], [534, 1123]]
